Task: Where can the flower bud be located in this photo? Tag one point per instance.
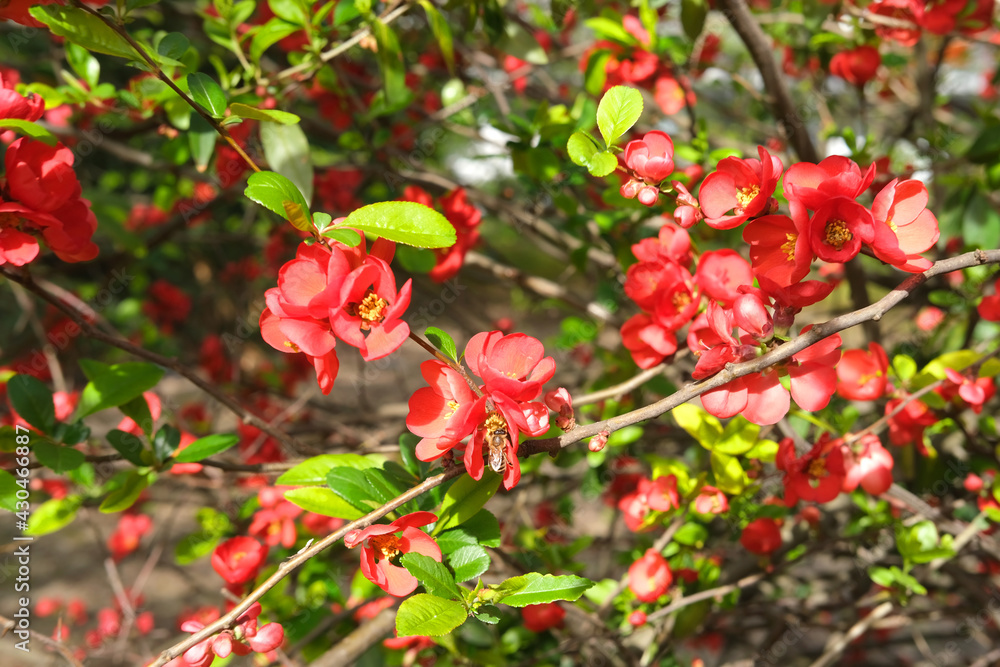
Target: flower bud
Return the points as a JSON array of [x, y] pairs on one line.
[[973, 483], [751, 315], [630, 189], [648, 195], [597, 443], [637, 618]]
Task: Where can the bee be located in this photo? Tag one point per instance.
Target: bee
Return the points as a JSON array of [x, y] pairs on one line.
[[497, 445]]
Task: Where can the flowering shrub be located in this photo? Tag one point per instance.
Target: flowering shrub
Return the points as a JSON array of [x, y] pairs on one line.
[[764, 294]]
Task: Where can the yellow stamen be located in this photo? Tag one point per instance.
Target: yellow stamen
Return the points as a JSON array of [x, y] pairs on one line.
[[681, 300], [747, 195], [452, 407], [372, 308], [788, 247], [387, 545], [293, 346], [892, 225], [837, 234], [817, 469]]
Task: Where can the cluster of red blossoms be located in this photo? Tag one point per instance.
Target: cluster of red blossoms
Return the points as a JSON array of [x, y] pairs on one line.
[[243, 639], [336, 292], [742, 322], [40, 195], [496, 414], [381, 549]]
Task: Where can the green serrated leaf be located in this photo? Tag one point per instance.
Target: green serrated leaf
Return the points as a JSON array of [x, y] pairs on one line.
[[173, 45], [468, 562], [128, 445], [322, 500], [210, 445], [464, 499], [52, 515], [536, 588], [434, 576], [404, 222], [287, 151], [84, 29], [442, 341], [125, 495], [703, 427], [116, 385], [58, 458], [33, 402], [313, 471], [29, 129], [272, 115], [602, 164], [429, 616], [207, 94], [272, 190], [617, 112]]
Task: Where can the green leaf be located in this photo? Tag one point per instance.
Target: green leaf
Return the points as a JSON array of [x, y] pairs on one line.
[[390, 61], [433, 575], [404, 222], [584, 152], [201, 140], [468, 562], [353, 486], [173, 45], [429, 616], [488, 614], [269, 34], [322, 500], [464, 499], [292, 11], [706, 429], [33, 401], [85, 29], [194, 546], [165, 442], [207, 94], [125, 495], [484, 527], [116, 385], [128, 445], [693, 13], [618, 111], [138, 411], [313, 471], [691, 534], [596, 74], [287, 152], [272, 115], [442, 33], [348, 237], [536, 588], [738, 437], [272, 190], [729, 475], [609, 29], [58, 458], [52, 515], [904, 366], [442, 341], [8, 491], [210, 445], [29, 129]]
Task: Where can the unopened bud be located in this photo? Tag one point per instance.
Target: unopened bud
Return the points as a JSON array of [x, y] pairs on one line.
[[750, 315], [598, 442], [630, 189], [648, 195]]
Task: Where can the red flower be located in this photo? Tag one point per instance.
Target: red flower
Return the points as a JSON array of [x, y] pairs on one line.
[[779, 245], [907, 426], [720, 274], [16, 247], [904, 227], [836, 176], [908, 11], [125, 539], [743, 186], [856, 66], [650, 576], [974, 392], [761, 537], [862, 376], [443, 413], [41, 176], [15, 105], [637, 618], [17, 11], [541, 617], [513, 364], [647, 341], [711, 501], [989, 307], [671, 244], [838, 228], [380, 547], [651, 160], [659, 495], [371, 307], [818, 476], [239, 559], [868, 464]]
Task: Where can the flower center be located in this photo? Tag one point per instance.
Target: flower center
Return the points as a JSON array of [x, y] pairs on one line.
[[9, 219], [817, 469], [837, 234], [892, 225], [788, 247], [681, 300], [293, 346], [371, 310], [386, 545], [747, 195], [452, 407]]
